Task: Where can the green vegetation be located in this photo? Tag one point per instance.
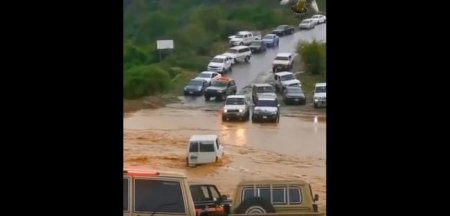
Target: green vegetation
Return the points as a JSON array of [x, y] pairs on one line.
[[200, 30], [312, 61]]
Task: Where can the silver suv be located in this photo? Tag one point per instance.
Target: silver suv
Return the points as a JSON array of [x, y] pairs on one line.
[[236, 107]]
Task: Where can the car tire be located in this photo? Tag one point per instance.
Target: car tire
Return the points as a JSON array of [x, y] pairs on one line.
[[315, 106], [224, 119], [187, 162], [277, 119], [241, 44], [217, 159], [255, 205], [207, 98], [247, 59]]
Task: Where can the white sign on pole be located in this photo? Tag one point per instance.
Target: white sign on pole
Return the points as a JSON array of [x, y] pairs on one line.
[[164, 44]]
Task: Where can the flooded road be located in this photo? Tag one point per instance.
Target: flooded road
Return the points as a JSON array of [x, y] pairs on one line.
[[295, 147]]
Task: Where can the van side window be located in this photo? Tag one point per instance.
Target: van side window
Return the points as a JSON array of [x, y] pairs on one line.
[[207, 147], [193, 147]]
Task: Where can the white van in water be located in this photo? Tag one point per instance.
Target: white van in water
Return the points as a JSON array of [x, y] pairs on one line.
[[204, 149]]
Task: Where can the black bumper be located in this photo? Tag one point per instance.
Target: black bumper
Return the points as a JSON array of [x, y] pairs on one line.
[[214, 94], [294, 100], [264, 117], [234, 115], [194, 93]]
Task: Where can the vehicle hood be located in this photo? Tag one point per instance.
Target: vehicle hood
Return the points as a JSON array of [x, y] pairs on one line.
[[215, 64], [290, 82], [321, 95], [255, 46], [215, 88], [204, 78], [236, 39], [267, 94], [266, 109], [193, 87], [268, 40], [282, 62], [296, 95], [234, 107]]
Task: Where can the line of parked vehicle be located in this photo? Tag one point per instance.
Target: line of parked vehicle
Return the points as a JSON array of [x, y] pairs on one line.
[[214, 84]]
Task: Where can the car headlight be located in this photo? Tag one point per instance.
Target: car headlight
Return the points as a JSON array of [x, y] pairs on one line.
[[241, 110], [225, 110], [316, 99]]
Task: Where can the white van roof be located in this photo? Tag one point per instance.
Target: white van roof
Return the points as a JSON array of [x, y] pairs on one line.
[[203, 137]]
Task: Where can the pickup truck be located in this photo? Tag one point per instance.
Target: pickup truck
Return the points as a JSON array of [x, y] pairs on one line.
[[244, 38], [208, 200]]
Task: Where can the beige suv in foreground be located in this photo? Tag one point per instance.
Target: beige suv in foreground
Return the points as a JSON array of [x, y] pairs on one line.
[[153, 193], [274, 197]]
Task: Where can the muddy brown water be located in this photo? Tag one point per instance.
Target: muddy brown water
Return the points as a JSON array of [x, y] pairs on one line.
[[295, 147]]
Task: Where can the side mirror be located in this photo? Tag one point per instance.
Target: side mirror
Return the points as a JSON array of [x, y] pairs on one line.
[[224, 197], [316, 197]]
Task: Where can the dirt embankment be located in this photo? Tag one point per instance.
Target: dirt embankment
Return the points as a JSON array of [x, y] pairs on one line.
[[150, 102]]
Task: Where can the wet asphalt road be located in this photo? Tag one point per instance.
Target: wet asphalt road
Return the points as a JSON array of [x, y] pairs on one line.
[[259, 69]]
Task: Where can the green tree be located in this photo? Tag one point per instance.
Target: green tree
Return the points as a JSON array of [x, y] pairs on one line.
[[313, 56], [145, 80]]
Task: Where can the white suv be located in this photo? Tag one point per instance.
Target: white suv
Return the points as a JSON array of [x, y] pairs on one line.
[[320, 95], [239, 54], [285, 79], [236, 107], [220, 64], [283, 62]]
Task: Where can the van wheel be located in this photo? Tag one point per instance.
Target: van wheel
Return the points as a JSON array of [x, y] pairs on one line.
[[254, 206], [206, 98], [187, 162], [217, 159], [247, 59], [224, 119]]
